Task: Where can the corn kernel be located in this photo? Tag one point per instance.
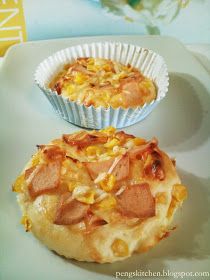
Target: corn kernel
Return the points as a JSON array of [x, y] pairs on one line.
[[139, 141], [108, 183], [103, 97], [117, 100], [107, 203], [179, 192], [72, 186], [70, 88], [101, 101], [147, 83], [125, 68], [80, 78], [112, 143], [94, 151], [111, 153], [148, 160], [107, 67], [17, 186], [172, 207], [26, 222], [120, 248], [108, 130], [35, 159], [92, 68], [91, 61], [122, 75]]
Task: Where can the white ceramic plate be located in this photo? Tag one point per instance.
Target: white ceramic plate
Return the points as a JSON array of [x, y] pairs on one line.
[[181, 122]]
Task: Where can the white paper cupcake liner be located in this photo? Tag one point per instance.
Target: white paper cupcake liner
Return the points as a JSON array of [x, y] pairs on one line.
[[149, 63]]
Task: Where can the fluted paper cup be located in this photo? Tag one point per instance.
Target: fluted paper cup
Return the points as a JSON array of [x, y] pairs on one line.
[[146, 61]]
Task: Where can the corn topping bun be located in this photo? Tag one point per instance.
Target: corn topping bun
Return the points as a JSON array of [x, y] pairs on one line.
[[103, 82], [99, 196]]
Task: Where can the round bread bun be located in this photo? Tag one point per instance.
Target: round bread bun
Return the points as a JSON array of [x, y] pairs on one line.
[[99, 196]]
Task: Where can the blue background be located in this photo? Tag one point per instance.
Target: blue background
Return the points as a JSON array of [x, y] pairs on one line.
[[66, 18]]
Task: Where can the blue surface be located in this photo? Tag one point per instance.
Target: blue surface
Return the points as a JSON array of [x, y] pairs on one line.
[[66, 18]]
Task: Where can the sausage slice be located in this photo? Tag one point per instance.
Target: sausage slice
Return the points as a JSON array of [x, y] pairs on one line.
[[45, 178], [83, 139], [70, 211], [137, 202], [119, 168]]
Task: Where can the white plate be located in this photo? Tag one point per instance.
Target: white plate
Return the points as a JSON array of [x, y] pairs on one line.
[[182, 124]]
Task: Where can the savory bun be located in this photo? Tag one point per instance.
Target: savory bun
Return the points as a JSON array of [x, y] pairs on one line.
[[103, 82], [99, 196]]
